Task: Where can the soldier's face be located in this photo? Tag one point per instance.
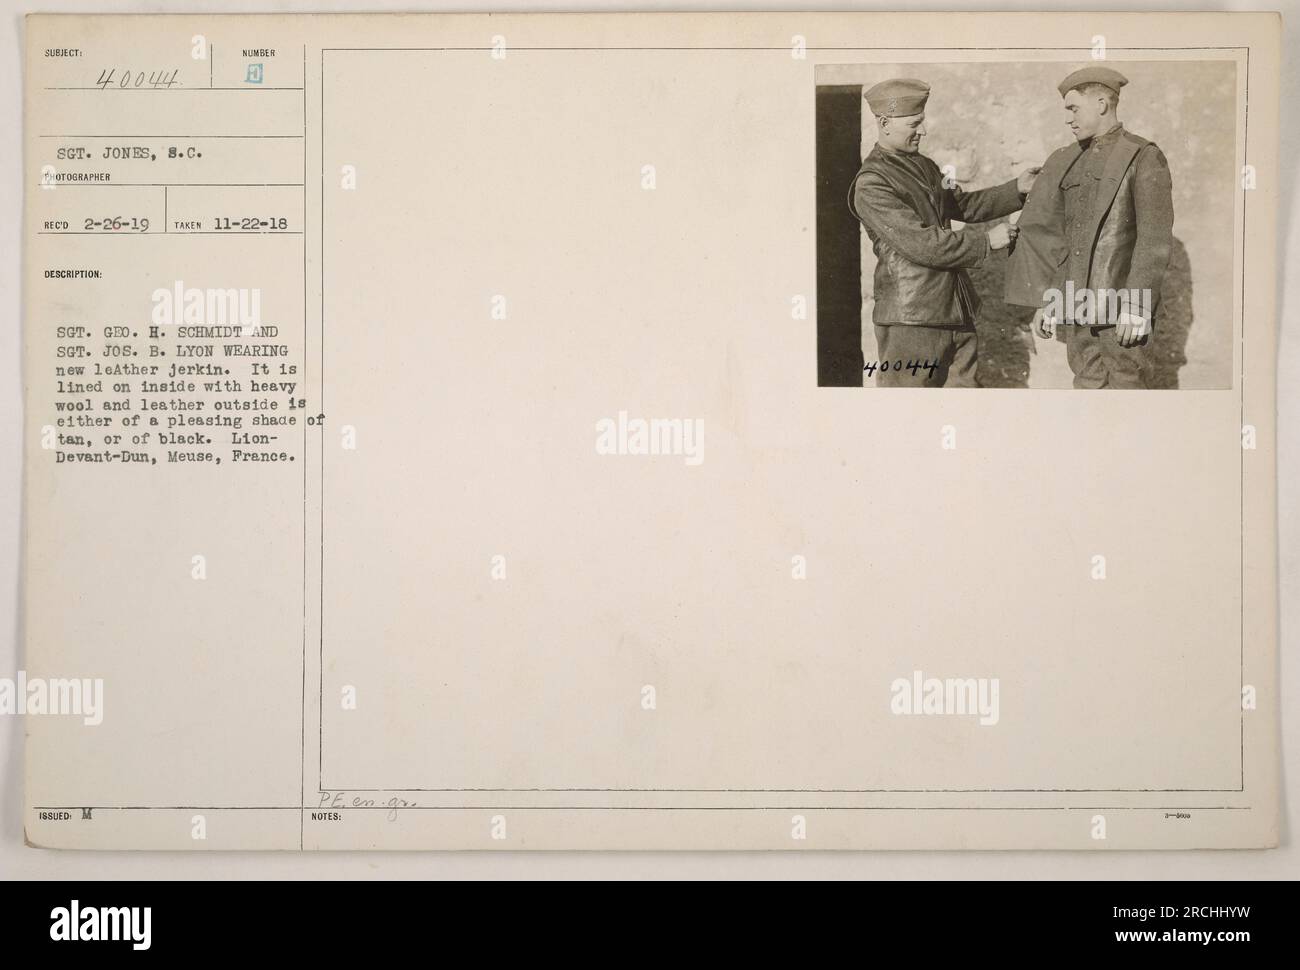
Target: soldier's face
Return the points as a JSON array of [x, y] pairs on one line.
[[903, 134], [1085, 114]]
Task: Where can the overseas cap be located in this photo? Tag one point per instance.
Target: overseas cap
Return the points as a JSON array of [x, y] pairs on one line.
[[1093, 75], [897, 97]]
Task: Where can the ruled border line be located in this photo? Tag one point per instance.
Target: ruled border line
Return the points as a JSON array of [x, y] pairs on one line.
[[784, 49]]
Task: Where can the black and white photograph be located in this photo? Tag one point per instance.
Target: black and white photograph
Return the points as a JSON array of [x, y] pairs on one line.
[[1039, 223]]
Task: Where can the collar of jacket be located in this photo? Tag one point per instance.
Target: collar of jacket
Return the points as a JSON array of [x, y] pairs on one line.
[[908, 174], [1108, 138]]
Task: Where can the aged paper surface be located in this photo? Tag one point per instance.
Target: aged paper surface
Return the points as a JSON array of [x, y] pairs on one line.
[[451, 432]]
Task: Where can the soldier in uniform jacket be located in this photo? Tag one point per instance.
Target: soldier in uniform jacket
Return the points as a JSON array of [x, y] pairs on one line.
[[1095, 238], [925, 303]]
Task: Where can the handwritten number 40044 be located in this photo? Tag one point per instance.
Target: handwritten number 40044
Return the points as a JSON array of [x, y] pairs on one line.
[[915, 366]]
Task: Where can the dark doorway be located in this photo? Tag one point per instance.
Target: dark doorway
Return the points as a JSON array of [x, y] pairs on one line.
[[839, 262]]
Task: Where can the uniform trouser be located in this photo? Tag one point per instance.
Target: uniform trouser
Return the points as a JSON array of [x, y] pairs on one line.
[[1098, 360], [951, 351]]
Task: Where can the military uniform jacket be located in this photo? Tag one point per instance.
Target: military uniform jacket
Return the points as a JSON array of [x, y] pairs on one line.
[[1121, 239], [921, 261]]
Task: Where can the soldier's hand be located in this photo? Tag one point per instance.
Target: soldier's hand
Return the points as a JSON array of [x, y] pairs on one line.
[[1000, 236], [1131, 329], [1044, 324], [1025, 180]]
